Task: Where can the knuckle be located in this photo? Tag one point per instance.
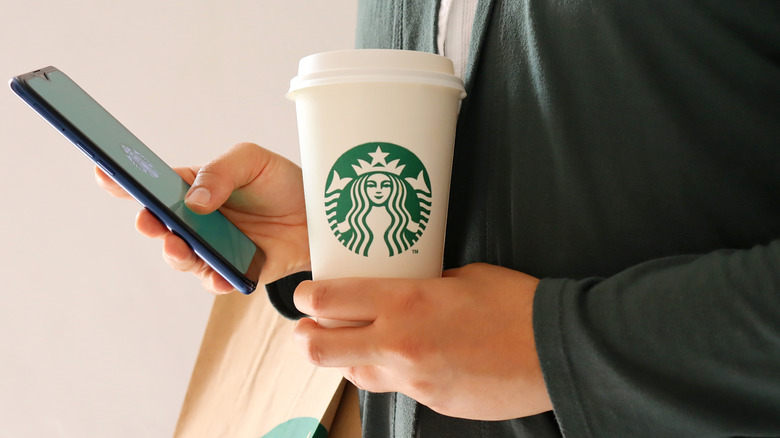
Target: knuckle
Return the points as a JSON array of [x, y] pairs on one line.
[[307, 345], [408, 349], [192, 267], [313, 352], [208, 175], [469, 269], [246, 145], [174, 263], [316, 298], [183, 264], [410, 301], [422, 389], [201, 270], [210, 282]]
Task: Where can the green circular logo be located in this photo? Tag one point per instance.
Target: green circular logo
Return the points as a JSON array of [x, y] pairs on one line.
[[378, 199]]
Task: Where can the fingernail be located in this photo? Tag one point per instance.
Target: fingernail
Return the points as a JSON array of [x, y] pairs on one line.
[[199, 196]]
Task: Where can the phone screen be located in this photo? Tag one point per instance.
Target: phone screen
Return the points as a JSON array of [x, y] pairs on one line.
[[145, 167]]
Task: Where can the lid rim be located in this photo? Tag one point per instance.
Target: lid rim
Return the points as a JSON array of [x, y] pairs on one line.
[[356, 76], [375, 65]]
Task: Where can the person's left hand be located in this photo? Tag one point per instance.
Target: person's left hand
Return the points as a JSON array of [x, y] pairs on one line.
[[462, 345]]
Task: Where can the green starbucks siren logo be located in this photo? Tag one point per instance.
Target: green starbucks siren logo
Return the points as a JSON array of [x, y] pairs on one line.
[[378, 199]]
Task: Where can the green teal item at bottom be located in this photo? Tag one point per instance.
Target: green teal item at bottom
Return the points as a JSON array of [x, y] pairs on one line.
[[301, 427]]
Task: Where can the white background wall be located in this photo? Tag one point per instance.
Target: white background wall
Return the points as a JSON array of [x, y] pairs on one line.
[[98, 336]]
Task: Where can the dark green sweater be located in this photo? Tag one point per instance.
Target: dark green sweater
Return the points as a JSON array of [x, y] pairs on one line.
[[628, 152]]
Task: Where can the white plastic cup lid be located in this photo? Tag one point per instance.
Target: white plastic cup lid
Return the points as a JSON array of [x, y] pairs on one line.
[[374, 65]]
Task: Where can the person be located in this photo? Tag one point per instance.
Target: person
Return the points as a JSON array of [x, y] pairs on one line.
[[613, 252]]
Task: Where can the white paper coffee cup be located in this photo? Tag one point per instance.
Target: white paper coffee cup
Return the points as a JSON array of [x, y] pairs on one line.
[[376, 131]]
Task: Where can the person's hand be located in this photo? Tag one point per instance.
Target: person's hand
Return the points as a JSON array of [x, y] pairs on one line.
[[259, 191], [462, 345]]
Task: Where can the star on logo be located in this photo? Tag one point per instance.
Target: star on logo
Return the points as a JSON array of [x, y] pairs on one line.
[[378, 157], [378, 164]]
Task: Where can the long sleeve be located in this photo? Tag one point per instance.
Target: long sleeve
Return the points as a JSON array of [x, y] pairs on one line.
[[628, 152], [677, 347]]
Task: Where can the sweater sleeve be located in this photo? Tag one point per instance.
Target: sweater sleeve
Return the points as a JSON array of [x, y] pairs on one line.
[[280, 293], [676, 347]]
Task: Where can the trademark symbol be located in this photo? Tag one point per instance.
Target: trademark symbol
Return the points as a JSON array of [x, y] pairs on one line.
[[415, 251]]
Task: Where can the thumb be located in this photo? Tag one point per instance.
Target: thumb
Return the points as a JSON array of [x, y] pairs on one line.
[[215, 181], [199, 198]]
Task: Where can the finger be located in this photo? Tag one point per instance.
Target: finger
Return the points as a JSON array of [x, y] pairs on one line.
[[149, 226], [181, 257], [217, 180], [335, 347], [106, 183], [187, 173], [348, 299], [216, 283]]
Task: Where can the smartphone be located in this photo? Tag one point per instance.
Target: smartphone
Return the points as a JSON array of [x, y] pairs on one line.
[[138, 170]]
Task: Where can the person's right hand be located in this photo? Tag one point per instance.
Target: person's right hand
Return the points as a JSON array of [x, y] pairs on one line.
[[259, 191]]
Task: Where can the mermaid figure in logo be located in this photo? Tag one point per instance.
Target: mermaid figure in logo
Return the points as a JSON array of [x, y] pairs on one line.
[[378, 211]]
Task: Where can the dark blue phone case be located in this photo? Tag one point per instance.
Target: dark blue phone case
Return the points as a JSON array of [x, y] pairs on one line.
[[244, 282]]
